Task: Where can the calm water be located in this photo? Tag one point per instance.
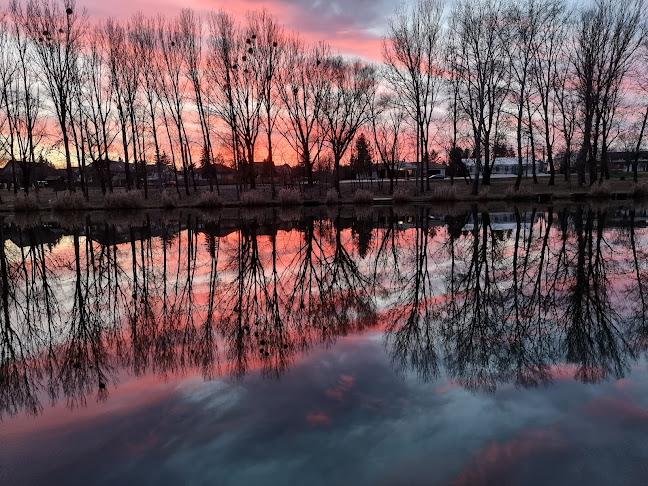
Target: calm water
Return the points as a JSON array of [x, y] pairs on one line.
[[384, 346]]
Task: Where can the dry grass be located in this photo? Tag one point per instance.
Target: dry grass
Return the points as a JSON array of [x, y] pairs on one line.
[[443, 193], [169, 201], [332, 197], [290, 214], [290, 197], [25, 203], [362, 196], [123, 200], [401, 195], [600, 191], [69, 201], [484, 192], [640, 190], [522, 194], [28, 219], [253, 198], [210, 200]]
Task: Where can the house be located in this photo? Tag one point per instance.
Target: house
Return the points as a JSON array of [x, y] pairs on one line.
[[622, 161], [410, 170], [56, 182], [508, 166], [504, 221]]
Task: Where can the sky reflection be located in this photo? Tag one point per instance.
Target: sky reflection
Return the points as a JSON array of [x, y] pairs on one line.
[[394, 351], [384, 428]]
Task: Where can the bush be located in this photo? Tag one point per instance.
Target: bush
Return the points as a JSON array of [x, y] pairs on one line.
[[24, 203], [69, 201], [443, 193], [210, 200], [332, 197], [401, 195], [600, 191], [640, 190], [362, 196], [290, 197], [123, 200], [253, 198]]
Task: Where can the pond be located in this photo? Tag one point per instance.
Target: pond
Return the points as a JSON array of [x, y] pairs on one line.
[[408, 345]]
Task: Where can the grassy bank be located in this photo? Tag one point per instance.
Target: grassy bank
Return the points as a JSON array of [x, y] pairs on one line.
[[350, 194]]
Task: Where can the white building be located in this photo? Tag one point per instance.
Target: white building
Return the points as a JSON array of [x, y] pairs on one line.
[[508, 166]]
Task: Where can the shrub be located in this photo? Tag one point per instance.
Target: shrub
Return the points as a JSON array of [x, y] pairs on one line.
[[210, 200], [362, 196], [253, 198], [332, 197], [401, 195], [123, 200], [69, 201], [443, 193], [640, 190], [24, 203], [290, 197], [600, 191]]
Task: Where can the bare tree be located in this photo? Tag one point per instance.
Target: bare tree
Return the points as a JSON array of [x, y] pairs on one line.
[[644, 89], [548, 53], [521, 32], [412, 56], [303, 87], [347, 106], [98, 106], [236, 72], [270, 48], [172, 89], [145, 40], [192, 36], [57, 31], [387, 122], [479, 57], [28, 124], [8, 74], [607, 39], [122, 81]]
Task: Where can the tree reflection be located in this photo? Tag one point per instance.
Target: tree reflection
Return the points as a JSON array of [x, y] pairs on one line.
[[482, 298], [594, 339], [412, 331]]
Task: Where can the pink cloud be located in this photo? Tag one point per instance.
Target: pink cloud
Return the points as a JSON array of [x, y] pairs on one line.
[[618, 409], [344, 385], [493, 460], [318, 419], [347, 30]]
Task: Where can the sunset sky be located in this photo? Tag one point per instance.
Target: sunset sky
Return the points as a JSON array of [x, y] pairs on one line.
[[355, 28]]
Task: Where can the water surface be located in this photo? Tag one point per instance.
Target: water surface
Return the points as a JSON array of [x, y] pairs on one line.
[[414, 345]]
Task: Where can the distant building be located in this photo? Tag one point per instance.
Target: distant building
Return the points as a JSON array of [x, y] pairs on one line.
[[504, 221], [56, 182], [622, 161], [410, 170], [508, 166]]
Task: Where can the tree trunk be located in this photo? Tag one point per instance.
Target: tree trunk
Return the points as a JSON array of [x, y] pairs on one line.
[[635, 162]]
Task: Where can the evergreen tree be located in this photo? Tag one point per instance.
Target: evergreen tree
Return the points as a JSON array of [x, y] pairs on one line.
[[361, 157]]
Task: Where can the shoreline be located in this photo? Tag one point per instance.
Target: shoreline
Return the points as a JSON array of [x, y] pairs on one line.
[[440, 193]]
